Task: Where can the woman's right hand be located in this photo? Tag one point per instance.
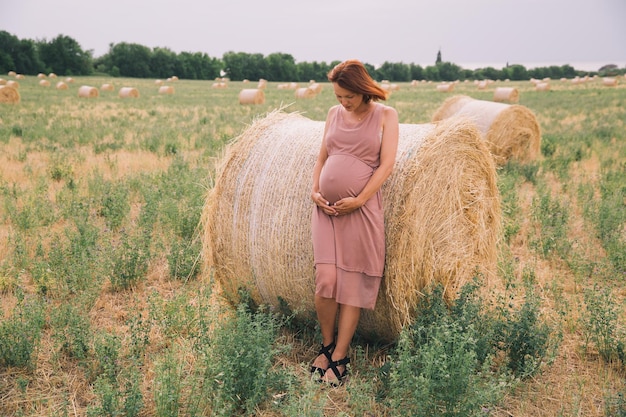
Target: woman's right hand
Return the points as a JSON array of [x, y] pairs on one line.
[[322, 203]]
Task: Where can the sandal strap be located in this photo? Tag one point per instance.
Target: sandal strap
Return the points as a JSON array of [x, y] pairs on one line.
[[341, 362], [326, 351]]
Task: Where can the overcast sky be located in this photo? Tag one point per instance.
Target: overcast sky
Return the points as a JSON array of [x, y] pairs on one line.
[[468, 32]]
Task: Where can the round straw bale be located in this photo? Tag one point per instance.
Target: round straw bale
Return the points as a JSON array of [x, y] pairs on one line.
[[52, 75], [445, 88], [88, 91], [69, 80], [9, 95], [506, 95], [510, 130], [305, 92], [542, 86], [107, 87], [158, 82], [13, 84], [44, 83], [41, 76], [609, 81], [11, 73], [20, 77], [166, 89], [442, 216], [128, 92], [3, 81], [61, 86], [262, 83], [251, 96]]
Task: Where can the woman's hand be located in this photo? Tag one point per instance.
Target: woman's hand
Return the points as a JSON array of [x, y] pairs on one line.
[[347, 205], [324, 204]]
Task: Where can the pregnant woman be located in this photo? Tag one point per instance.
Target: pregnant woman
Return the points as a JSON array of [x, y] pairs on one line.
[[357, 155]]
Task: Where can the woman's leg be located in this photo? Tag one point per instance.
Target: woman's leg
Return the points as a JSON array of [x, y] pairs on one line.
[[327, 316], [348, 321]]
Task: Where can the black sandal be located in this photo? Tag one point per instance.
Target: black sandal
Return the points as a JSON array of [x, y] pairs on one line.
[[340, 375], [326, 351]]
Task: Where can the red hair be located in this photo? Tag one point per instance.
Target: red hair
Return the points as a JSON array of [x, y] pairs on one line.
[[353, 76]]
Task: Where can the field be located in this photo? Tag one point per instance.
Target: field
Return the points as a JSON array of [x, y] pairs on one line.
[[105, 309]]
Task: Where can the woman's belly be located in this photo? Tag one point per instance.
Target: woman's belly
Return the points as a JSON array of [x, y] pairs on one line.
[[343, 176]]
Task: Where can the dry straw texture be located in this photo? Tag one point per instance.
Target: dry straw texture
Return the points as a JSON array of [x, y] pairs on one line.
[[442, 214], [506, 95], [9, 95], [61, 86], [510, 130], [107, 87], [251, 96], [128, 92], [88, 91]]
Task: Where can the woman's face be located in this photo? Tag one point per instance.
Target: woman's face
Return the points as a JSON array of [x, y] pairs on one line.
[[348, 99]]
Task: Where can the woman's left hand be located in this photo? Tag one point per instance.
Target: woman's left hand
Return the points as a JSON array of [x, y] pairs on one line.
[[346, 205]]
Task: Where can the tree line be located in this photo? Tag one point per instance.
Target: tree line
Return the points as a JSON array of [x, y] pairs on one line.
[[63, 55]]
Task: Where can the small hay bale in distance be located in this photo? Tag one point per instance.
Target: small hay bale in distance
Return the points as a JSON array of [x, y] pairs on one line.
[[41, 76], [87, 91], [542, 86], [107, 87], [13, 84], [305, 92], [128, 92], [61, 86], [3, 81], [510, 130], [44, 83], [609, 82], [52, 75], [9, 95], [506, 95], [251, 96], [166, 89], [445, 88], [442, 216]]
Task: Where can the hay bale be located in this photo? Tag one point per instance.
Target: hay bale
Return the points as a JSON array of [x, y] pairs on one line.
[[609, 81], [107, 87], [87, 91], [52, 75], [262, 84], [44, 83], [41, 76], [542, 86], [442, 213], [13, 84], [11, 73], [9, 95], [445, 88], [61, 86], [251, 96], [166, 89], [305, 92], [3, 81], [510, 130], [506, 95], [128, 92]]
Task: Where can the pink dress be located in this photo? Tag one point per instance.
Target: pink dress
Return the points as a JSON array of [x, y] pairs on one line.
[[353, 244]]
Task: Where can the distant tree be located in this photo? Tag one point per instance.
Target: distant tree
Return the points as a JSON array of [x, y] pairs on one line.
[[431, 73], [63, 55], [417, 72], [131, 59], [517, 72], [19, 55], [394, 72], [197, 66], [312, 71], [488, 73], [162, 63], [240, 66], [281, 67], [447, 71]]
